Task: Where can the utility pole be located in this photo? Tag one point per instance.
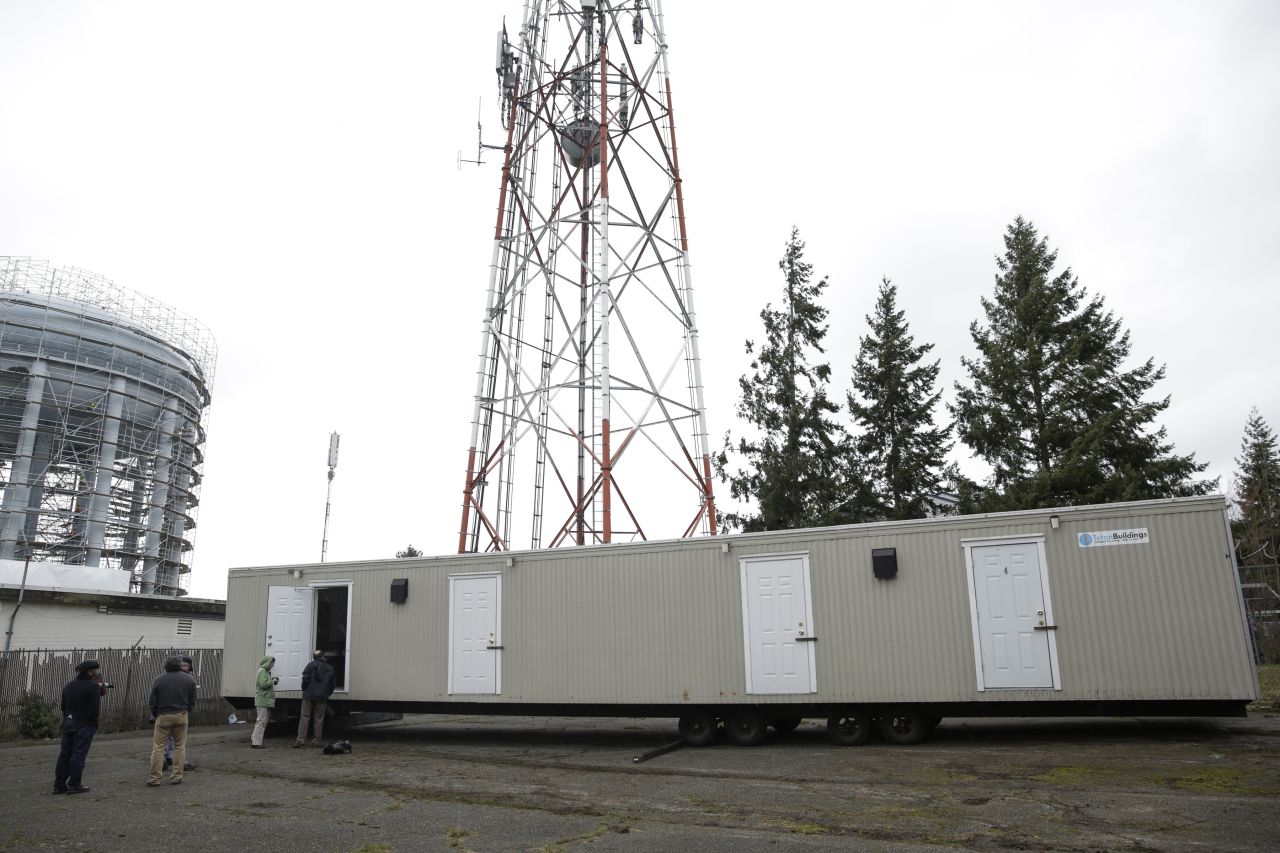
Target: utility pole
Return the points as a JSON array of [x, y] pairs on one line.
[[22, 591], [328, 498]]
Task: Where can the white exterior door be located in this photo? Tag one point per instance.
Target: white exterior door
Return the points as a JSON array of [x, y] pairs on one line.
[[290, 632], [778, 617], [1011, 607], [474, 659]]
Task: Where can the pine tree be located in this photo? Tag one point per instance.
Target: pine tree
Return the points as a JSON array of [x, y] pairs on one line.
[[1257, 529], [898, 442], [1050, 406], [794, 471], [408, 552]]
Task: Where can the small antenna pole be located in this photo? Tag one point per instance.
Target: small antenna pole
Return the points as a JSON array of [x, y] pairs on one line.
[[506, 66], [328, 498]]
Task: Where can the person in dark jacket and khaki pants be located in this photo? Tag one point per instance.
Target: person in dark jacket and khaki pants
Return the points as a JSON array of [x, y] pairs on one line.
[[173, 697], [317, 685]]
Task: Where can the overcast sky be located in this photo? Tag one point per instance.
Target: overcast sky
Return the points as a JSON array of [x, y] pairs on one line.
[[286, 172]]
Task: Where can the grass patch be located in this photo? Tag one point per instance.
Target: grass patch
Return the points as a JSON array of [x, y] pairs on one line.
[[620, 827], [373, 848], [1222, 780], [1219, 779], [1269, 684], [1076, 775], [800, 827], [456, 836]]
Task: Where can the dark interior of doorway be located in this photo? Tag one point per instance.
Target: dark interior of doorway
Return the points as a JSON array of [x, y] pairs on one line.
[[331, 629]]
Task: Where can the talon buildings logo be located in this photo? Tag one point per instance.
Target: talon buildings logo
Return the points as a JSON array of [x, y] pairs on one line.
[[1133, 536]]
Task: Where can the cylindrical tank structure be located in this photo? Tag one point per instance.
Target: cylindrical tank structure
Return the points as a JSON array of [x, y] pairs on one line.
[[104, 396]]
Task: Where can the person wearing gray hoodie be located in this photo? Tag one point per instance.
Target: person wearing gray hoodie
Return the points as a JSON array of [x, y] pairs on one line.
[[264, 699]]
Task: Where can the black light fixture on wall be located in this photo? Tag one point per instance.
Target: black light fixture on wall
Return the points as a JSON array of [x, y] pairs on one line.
[[399, 590], [884, 563]]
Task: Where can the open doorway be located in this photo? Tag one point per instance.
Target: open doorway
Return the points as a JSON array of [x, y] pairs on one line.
[[332, 617]]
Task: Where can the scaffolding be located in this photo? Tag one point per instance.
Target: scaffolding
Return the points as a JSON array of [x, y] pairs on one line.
[[589, 424], [104, 403]]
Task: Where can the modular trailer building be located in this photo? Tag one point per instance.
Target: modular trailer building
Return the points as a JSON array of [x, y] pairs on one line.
[[1124, 609]]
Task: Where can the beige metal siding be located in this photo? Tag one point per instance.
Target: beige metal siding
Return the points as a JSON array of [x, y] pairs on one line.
[[662, 622]]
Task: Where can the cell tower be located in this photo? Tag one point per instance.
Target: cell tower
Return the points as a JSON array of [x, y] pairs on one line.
[[334, 439], [589, 423]]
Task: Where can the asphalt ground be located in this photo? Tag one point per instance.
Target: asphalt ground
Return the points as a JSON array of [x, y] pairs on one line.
[[568, 784]]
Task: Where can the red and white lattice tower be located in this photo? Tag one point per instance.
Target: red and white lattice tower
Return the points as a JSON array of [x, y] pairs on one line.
[[589, 422]]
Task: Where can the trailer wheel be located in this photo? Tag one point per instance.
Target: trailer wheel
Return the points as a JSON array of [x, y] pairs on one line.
[[849, 728], [904, 727], [745, 726], [785, 725], [698, 728]]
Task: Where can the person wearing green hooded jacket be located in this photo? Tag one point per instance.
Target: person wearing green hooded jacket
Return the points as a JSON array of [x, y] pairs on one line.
[[264, 700]]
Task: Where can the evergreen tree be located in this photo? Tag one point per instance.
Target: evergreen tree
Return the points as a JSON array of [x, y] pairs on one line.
[[794, 471], [1050, 406], [1257, 529], [408, 552], [898, 442]]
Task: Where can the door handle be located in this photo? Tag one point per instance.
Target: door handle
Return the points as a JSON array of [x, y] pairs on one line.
[[495, 648], [806, 639], [1046, 627]]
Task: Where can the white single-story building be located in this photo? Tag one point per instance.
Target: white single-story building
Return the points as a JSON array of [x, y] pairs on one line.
[[70, 607]]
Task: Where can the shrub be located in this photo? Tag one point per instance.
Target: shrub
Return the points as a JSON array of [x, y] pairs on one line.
[[37, 716]]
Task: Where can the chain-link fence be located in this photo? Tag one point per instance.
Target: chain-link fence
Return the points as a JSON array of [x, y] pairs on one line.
[[44, 672], [1261, 588]]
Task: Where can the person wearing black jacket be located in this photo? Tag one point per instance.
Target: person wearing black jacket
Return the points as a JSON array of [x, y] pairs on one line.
[[81, 702], [318, 682], [173, 695]]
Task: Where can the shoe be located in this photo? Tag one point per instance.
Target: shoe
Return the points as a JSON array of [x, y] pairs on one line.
[[59, 790], [298, 743], [153, 784], [315, 743], [188, 767], [77, 789], [175, 781], [256, 746]]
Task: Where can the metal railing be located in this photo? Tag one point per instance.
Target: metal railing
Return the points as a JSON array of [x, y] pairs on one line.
[[44, 672]]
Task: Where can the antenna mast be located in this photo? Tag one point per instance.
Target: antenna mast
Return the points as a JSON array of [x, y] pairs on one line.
[[334, 438], [589, 424]]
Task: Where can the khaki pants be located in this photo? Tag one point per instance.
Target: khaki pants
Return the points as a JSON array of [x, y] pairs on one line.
[[260, 725], [312, 709], [169, 726]]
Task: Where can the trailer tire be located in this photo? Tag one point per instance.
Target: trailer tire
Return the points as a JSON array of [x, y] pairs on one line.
[[849, 728], [904, 727], [698, 728], [785, 725], [745, 726]]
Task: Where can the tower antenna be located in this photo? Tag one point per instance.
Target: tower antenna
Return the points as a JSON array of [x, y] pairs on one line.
[[506, 68], [334, 438]]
